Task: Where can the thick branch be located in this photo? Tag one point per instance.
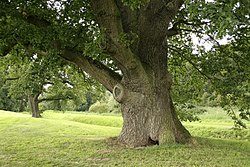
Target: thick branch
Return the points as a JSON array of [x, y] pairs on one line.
[[158, 15], [37, 21], [175, 29], [55, 98], [11, 79], [94, 68], [109, 18], [129, 18], [107, 15], [154, 22]]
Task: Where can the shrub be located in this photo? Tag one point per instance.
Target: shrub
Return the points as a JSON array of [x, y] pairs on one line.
[[113, 105], [99, 107], [106, 105]]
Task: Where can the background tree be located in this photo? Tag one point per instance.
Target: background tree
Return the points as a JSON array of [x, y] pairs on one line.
[[81, 91], [39, 79], [126, 45], [7, 75]]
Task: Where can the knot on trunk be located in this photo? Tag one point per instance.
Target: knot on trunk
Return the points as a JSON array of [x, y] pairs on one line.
[[118, 92]]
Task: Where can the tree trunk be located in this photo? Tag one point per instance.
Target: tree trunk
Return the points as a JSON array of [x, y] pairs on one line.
[[149, 116], [34, 106], [148, 112]]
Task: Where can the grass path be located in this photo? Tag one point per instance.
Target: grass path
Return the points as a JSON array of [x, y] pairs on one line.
[[62, 140]]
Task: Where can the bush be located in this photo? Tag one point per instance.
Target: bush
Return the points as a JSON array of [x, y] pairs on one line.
[[99, 107], [113, 105], [107, 105]]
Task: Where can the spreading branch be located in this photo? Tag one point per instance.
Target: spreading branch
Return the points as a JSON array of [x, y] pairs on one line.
[[175, 29], [202, 33], [55, 98], [11, 79], [39, 22], [94, 68]]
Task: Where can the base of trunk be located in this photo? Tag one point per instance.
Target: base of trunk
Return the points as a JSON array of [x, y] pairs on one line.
[[34, 106], [143, 129], [150, 120], [36, 115], [145, 140]]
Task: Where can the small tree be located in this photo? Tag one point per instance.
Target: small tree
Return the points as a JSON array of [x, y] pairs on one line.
[[39, 78]]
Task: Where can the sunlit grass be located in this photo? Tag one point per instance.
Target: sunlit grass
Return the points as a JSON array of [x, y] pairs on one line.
[[85, 117], [80, 139], [215, 114]]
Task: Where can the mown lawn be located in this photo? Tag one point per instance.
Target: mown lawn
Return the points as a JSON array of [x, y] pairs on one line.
[[80, 139]]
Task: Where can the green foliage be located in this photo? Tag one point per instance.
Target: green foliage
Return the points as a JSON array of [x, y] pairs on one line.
[[188, 112], [31, 73], [99, 107], [55, 81], [5, 102], [223, 17], [107, 104], [8, 75], [238, 119], [188, 83], [90, 98], [211, 99], [188, 86], [128, 39], [9, 103], [114, 106], [225, 68]]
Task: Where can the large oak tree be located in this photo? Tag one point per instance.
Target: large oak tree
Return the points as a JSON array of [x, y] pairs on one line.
[[125, 45]]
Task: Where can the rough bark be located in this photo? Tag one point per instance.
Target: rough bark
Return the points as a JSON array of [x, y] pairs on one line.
[[148, 114], [33, 99]]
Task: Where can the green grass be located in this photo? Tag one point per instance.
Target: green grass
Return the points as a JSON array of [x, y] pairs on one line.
[[80, 139], [215, 114], [87, 118]]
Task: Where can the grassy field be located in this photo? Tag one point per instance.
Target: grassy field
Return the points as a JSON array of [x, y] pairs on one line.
[[80, 139]]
